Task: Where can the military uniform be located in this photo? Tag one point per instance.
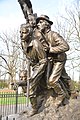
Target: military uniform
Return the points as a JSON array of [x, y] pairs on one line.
[[58, 47], [34, 51], [56, 56]]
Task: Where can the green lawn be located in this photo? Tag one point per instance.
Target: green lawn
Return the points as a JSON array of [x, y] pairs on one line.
[[8, 99], [12, 100]]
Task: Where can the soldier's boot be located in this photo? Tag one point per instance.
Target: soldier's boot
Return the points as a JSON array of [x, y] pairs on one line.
[[61, 95], [34, 110]]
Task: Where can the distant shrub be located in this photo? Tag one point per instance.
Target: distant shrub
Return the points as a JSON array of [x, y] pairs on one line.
[[3, 84]]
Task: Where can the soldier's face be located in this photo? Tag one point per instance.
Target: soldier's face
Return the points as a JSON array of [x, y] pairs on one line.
[[32, 21], [23, 34], [23, 76], [42, 24]]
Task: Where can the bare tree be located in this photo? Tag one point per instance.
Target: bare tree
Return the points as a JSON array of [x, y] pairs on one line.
[[10, 54], [69, 27]]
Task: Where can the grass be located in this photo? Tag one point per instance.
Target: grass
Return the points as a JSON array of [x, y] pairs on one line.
[[10, 98]]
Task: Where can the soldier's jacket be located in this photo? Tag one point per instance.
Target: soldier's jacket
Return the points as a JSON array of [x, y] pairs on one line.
[[35, 50], [58, 46]]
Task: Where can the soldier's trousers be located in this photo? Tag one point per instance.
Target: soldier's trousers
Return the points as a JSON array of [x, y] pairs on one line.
[[57, 72], [38, 79]]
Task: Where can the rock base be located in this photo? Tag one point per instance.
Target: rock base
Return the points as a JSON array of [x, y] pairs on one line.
[[71, 111]]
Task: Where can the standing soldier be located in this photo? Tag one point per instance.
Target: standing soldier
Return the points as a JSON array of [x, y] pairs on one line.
[[33, 49], [56, 52]]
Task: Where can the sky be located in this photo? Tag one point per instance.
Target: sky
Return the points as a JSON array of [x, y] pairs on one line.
[[11, 15]]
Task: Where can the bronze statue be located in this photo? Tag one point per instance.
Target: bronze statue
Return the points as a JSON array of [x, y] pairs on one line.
[[45, 50], [22, 81], [35, 53], [57, 48]]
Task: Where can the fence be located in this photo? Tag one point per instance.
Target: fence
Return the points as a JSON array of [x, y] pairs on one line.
[[11, 103]]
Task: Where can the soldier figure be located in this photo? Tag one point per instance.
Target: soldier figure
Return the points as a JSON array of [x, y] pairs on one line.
[[45, 49], [23, 80], [56, 53], [33, 49]]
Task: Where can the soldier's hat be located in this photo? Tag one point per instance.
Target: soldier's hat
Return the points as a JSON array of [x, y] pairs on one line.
[[44, 17]]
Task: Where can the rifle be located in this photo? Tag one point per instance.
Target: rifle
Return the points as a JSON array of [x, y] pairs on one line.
[[28, 77], [26, 7]]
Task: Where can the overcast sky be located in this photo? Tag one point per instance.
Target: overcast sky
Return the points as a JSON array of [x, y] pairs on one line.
[[11, 15]]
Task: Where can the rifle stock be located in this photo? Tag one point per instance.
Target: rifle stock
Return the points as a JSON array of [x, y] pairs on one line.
[[28, 77]]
